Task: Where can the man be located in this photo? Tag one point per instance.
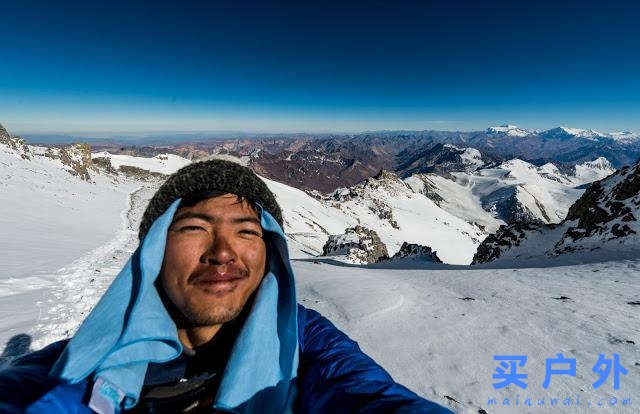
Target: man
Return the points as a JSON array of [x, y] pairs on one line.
[[203, 318]]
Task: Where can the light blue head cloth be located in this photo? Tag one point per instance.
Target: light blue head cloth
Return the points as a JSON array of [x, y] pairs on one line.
[[130, 327]]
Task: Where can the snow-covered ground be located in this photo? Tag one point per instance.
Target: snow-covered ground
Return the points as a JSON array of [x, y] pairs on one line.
[[48, 219], [436, 330]]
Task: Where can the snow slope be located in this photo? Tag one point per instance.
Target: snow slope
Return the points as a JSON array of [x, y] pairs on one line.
[[515, 190], [436, 330], [309, 221], [48, 218]]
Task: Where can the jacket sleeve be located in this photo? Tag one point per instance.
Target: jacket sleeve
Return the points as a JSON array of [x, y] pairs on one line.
[[335, 376], [26, 378]]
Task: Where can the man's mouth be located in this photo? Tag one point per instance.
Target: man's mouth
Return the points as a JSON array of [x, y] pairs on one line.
[[218, 282], [216, 277]]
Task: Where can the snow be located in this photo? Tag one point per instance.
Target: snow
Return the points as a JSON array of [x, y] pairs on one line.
[[472, 157], [458, 198], [559, 244], [566, 132], [435, 327], [308, 221], [594, 170], [509, 130], [163, 163], [48, 219], [626, 137], [623, 137], [537, 188], [416, 323]]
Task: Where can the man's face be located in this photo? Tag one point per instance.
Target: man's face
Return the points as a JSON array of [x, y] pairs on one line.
[[214, 259]]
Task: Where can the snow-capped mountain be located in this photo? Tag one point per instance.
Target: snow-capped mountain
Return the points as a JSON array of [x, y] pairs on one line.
[[327, 162], [603, 222], [509, 130], [562, 132], [626, 137]]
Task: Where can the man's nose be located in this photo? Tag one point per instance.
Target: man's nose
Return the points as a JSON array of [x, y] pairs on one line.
[[220, 250]]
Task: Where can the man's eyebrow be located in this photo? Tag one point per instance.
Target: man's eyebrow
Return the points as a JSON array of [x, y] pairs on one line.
[[212, 219], [190, 214], [245, 219]]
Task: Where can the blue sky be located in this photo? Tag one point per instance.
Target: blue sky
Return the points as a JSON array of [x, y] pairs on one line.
[[350, 66]]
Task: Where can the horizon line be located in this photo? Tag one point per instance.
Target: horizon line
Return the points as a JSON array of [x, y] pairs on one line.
[[151, 133]]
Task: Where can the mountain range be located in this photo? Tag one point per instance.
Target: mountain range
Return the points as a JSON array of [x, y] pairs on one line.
[[448, 199], [328, 162]]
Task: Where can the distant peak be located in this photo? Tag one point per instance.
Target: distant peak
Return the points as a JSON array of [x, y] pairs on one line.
[[563, 131], [600, 163], [508, 129], [625, 136]]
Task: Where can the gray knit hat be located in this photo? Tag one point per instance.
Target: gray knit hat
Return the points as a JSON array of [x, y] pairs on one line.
[[212, 175]]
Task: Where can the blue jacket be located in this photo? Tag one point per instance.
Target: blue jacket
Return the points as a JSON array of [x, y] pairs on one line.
[[286, 358], [334, 376]]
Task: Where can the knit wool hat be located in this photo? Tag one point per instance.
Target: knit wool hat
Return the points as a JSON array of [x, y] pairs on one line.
[[211, 175]]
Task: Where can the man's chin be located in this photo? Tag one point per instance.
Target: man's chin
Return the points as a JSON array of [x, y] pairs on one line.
[[210, 317]]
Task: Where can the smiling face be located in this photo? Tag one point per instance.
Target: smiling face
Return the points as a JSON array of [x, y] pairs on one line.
[[214, 259]]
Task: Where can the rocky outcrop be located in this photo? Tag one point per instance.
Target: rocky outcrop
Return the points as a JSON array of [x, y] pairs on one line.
[[416, 251], [506, 238], [76, 158], [369, 192], [140, 173], [358, 244], [507, 204], [104, 164], [14, 143], [609, 208]]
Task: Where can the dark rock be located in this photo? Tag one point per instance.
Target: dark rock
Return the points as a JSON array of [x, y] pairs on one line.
[[416, 251], [358, 243]]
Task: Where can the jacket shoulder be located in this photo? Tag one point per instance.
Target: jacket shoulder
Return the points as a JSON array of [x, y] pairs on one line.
[[336, 376]]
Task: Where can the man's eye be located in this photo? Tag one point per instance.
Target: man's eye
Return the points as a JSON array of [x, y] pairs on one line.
[[191, 228], [251, 232]]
